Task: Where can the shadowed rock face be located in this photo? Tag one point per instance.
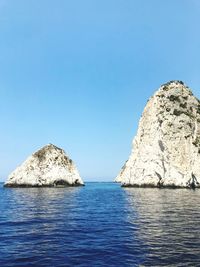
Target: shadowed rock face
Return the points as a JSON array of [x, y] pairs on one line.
[[166, 149], [49, 166]]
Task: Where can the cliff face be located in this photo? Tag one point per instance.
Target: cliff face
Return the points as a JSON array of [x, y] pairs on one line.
[[166, 149], [49, 166]]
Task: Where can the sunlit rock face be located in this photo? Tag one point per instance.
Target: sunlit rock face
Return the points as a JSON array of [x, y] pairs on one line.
[[49, 166], [166, 149]]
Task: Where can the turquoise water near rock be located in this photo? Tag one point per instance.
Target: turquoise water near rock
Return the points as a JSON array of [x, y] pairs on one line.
[[100, 224]]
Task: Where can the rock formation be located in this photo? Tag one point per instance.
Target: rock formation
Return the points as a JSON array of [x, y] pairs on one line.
[[49, 166], [166, 149]]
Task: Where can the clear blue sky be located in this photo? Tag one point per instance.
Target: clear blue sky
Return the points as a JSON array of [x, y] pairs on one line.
[[79, 73]]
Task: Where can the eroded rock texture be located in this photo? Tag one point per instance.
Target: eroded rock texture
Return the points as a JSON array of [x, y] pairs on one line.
[[166, 149], [49, 166]]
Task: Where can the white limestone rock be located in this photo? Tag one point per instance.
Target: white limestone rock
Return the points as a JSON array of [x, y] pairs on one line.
[[166, 149], [49, 166]]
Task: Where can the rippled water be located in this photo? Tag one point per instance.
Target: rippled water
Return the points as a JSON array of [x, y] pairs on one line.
[[100, 224]]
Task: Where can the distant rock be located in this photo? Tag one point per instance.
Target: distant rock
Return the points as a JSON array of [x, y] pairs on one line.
[[49, 166], [166, 149]]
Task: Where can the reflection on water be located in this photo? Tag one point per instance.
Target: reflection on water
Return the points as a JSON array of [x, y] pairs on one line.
[[38, 204], [31, 222], [98, 225], [168, 222]]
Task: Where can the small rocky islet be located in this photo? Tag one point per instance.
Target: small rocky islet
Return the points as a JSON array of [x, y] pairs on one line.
[[48, 167], [166, 148]]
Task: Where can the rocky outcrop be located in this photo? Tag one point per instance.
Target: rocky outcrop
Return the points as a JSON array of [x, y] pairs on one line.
[[166, 149], [49, 166]]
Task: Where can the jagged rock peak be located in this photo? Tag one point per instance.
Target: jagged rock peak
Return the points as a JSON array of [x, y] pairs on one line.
[[177, 82], [166, 149], [49, 166]]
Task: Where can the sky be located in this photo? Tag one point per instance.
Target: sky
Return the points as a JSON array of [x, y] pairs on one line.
[[79, 73]]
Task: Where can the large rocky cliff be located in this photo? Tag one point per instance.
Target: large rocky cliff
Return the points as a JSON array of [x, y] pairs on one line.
[[166, 149], [49, 166]]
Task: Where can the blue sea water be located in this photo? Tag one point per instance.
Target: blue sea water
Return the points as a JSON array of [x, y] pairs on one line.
[[100, 224]]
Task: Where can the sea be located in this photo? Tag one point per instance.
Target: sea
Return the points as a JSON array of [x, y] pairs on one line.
[[100, 224]]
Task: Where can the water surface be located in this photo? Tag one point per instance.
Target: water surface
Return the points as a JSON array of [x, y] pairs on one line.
[[100, 224]]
